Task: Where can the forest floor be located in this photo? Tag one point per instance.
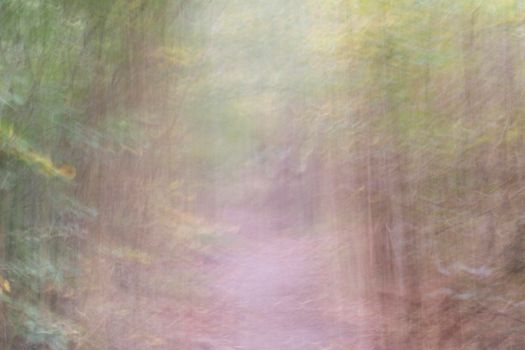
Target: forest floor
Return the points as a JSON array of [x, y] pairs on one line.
[[277, 290], [260, 287]]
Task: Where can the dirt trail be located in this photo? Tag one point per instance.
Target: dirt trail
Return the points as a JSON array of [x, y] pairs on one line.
[[272, 293], [261, 289]]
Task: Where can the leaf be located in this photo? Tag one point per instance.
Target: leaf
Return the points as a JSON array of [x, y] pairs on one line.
[[67, 171], [19, 148], [5, 286]]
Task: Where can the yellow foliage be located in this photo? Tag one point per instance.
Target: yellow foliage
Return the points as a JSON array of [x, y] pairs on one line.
[[175, 185], [5, 286], [16, 146], [67, 171], [176, 56], [133, 255]]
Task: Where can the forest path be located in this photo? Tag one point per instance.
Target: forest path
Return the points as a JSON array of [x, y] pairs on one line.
[[274, 292]]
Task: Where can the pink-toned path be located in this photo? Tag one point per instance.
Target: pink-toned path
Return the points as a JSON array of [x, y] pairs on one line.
[[275, 292]]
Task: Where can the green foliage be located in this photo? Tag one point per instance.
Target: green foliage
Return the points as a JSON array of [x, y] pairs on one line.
[[20, 149]]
